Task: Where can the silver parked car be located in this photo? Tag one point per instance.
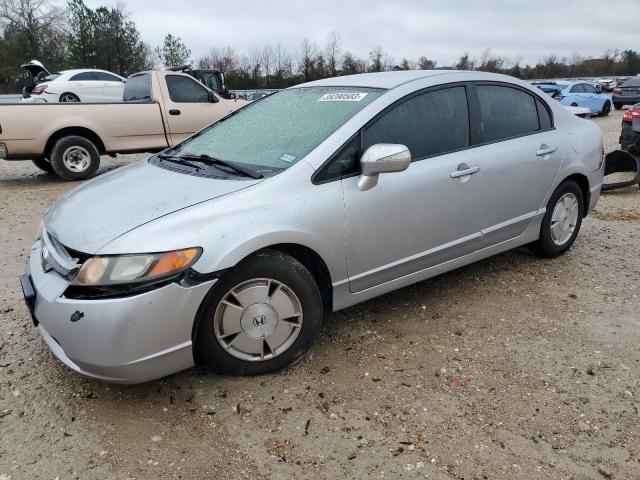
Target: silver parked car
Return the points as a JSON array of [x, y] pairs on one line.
[[229, 247]]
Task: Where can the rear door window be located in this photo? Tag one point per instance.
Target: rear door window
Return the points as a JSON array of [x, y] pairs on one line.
[[431, 123], [107, 77], [577, 89], [184, 90], [84, 76], [505, 112]]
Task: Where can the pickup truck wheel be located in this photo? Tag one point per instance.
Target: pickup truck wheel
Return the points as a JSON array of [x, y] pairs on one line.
[[263, 315], [43, 164], [75, 158]]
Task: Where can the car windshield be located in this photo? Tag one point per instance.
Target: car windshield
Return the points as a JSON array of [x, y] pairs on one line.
[[280, 129]]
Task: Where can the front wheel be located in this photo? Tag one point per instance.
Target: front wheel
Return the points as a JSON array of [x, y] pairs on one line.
[[606, 108], [262, 316], [75, 158], [561, 222]]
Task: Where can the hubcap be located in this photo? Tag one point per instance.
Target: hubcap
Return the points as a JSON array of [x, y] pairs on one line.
[[258, 319], [68, 99], [76, 159], [564, 219]]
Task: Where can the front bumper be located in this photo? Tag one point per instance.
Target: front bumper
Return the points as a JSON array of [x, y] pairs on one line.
[[122, 340]]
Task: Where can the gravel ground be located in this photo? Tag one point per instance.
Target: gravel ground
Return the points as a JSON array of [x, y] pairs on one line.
[[514, 367]]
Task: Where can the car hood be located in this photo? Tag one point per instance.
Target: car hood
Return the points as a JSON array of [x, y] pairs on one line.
[[89, 217]]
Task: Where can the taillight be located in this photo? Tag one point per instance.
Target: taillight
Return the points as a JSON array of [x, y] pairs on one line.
[[617, 90], [629, 115], [38, 89]]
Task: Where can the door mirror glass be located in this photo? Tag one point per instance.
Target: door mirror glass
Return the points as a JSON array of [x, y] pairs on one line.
[[382, 158]]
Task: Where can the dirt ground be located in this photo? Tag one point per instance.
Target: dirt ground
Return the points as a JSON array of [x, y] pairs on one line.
[[511, 368]]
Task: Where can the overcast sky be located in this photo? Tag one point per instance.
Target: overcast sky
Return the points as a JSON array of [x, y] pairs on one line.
[[437, 29]]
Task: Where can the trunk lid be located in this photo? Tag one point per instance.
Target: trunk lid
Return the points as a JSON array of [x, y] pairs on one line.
[[101, 210], [35, 68]]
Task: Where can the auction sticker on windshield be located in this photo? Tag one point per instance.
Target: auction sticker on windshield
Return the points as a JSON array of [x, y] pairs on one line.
[[342, 97]]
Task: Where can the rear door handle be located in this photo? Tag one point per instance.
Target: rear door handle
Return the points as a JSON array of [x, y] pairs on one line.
[[174, 112], [464, 170], [545, 150]]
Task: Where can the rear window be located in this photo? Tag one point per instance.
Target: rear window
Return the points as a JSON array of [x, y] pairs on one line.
[[49, 78], [137, 88], [634, 82], [505, 112]]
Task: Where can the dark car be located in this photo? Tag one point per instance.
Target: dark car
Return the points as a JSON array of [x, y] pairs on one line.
[[628, 93], [630, 136]]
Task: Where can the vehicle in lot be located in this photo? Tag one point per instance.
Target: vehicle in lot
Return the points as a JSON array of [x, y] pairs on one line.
[[213, 79], [158, 109], [627, 93], [71, 86], [606, 84], [230, 246], [577, 94], [630, 136]]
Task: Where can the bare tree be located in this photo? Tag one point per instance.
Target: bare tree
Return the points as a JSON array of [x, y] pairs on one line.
[[308, 56], [334, 44]]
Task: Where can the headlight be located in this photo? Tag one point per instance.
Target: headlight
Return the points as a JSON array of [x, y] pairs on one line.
[[38, 233], [122, 269]]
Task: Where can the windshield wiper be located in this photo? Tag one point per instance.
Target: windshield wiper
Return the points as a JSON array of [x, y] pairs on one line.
[[178, 160], [206, 159]]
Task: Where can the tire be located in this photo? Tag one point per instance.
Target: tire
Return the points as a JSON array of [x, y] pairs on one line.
[[574, 104], [618, 106], [245, 353], [548, 244], [75, 158], [69, 98], [43, 164], [606, 108]]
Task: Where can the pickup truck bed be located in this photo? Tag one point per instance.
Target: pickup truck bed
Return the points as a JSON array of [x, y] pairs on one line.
[[68, 138]]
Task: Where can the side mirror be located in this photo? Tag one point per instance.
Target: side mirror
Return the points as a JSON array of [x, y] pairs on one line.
[[382, 158]]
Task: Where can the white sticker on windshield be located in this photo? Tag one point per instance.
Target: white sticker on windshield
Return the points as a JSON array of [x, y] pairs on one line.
[[342, 97], [287, 157]]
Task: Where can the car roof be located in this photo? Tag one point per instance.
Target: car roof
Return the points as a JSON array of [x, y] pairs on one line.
[[386, 80], [81, 70]]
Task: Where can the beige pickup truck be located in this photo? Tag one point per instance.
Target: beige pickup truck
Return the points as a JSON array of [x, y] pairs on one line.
[[159, 109]]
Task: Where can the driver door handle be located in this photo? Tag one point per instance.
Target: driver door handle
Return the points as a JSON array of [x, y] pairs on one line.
[[546, 150], [174, 112]]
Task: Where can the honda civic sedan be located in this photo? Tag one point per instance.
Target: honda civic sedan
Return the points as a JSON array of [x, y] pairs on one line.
[[230, 247]]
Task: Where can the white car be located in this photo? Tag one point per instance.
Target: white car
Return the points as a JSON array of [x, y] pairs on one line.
[[81, 85]]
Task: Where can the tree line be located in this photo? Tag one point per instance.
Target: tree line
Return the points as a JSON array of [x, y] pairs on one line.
[[80, 37]]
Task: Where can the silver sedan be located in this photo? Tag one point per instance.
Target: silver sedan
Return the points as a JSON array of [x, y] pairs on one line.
[[229, 247]]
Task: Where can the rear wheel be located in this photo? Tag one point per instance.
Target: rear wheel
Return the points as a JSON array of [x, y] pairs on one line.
[[618, 106], [43, 164], [69, 98], [606, 108], [561, 222], [262, 316], [75, 158]]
